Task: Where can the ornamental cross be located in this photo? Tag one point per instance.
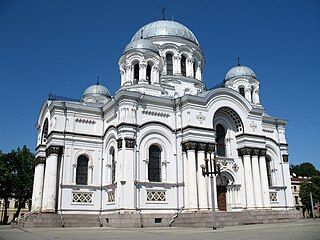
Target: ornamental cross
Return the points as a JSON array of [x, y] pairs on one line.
[[201, 117], [163, 9], [253, 126]]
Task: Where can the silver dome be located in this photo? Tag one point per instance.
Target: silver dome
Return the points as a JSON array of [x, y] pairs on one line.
[[141, 44], [240, 71], [97, 90], [165, 28]]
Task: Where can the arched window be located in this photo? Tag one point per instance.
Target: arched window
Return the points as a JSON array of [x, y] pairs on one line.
[[241, 91], [82, 170], [136, 72], [149, 74], [183, 66], [220, 140], [194, 69], [113, 165], [169, 64], [154, 166], [268, 166], [44, 132], [252, 93]]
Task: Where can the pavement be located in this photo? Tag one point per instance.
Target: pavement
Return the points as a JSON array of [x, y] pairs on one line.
[[305, 229]]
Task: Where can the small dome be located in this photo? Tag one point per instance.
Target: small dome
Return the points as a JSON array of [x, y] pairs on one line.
[[141, 44], [96, 94], [97, 89], [165, 28], [240, 71]]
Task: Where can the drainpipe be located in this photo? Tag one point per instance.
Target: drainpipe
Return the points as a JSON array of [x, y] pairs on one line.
[[101, 174], [62, 160], [282, 171]]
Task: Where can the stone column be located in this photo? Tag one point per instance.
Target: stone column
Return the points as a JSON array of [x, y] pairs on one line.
[[143, 72], [177, 67], [128, 177], [155, 75], [202, 191], [191, 153], [242, 193], [248, 94], [256, 98], [50, 179], [129, 75], [246, 153], [38, 183], [256, 178], [198, 72], [264, 179], [186, 179], [123, 76]]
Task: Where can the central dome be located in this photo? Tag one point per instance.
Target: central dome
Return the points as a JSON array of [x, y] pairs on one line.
[[165, 28]]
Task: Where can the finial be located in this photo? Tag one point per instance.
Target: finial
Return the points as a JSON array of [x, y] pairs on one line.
[[238, 58], [98, 80], [141, 34], [172, 17], [163, 9]]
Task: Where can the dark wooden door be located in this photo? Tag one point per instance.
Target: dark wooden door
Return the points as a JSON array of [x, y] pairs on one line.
[[222, 200]]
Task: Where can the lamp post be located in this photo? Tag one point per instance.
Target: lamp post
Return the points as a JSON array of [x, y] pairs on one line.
[[311, 198], [211, 169]]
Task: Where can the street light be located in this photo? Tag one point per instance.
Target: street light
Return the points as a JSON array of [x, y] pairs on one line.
[[211, 169], [309, 185]]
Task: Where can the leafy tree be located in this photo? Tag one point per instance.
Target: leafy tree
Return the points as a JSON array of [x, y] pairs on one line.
[[16, 178], [23, 177], [311, 185], [6, 181], [305, 169]]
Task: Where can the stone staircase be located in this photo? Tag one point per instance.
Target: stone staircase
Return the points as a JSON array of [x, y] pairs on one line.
[[137, 220], [204, 219], [47, 220]]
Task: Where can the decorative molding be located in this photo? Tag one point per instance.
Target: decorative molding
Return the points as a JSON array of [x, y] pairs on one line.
[[198, 146], [252, 151], [235, 167], [155, 113], [53, 150], [86, 121], [202, 146], [201, 118], [119, 143], [267, 130], [129, 143], [253, 126], [40, 160], [285, 158]]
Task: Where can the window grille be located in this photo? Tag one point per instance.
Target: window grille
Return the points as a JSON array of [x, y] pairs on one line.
[[169, 64], [273, 196], [156, 196], [82, 170], [78, 197], [111, 197]]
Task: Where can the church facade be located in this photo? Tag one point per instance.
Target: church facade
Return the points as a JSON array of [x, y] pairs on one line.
[[144, 149]]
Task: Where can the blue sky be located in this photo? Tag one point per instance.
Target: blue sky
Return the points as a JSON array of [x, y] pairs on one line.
[[60, 47]]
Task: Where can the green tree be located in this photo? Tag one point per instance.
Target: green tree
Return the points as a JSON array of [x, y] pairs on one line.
[[23, 164], [6, 181], [311, 185], [305, 169], [16, 178]]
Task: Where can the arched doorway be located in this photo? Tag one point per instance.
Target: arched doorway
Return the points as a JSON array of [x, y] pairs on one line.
[[222, 182]]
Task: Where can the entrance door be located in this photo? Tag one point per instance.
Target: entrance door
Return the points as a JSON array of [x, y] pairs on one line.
[[222, 200]]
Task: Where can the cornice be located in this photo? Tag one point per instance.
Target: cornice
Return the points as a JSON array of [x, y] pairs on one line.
[[39, 160], [53, 150]]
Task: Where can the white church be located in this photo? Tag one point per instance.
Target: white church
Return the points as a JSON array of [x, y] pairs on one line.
[[142, 152]]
